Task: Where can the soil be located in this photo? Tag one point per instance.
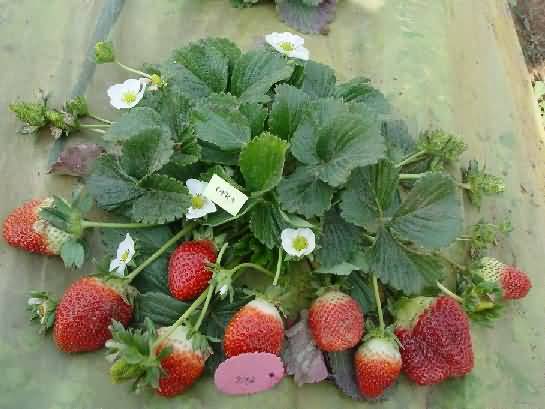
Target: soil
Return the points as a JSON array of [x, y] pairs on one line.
[[529, 16]]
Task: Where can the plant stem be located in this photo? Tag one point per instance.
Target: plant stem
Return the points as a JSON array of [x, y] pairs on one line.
[[278, 266], [100, 131], [449, 293], [160, 251], [410, 176], [133, 70], [104, 225], [465, 186], [205, 306], [251, 265], [379, 305], [411, 158], [92, 126], [98, 118]]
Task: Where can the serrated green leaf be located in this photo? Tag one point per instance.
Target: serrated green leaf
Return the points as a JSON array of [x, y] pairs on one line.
[[218, 121], [339, 146], [183, 81], [371, 195], [206, 62], [256, 115], [287, 110], [136, 121], [262, 162], [302, 192], [256, 72], [366, 99], [362, 292], [110, 186], [399, 142], [229, 49], [339, 240], [146, 152], [162, 309], [402, 267], [318, 80], [430, 215], [73, 254], [213, 154], [266, 223], [165, 199]]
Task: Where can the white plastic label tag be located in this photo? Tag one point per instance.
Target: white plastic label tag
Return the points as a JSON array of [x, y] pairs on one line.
[[225, 195]]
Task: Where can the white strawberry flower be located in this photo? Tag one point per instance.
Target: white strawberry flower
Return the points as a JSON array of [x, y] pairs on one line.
[[127, 94], [200, 205], [298, 242], [288, 44], [125, 253]]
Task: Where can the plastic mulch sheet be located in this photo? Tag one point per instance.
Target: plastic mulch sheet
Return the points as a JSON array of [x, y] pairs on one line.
[[453, 64]]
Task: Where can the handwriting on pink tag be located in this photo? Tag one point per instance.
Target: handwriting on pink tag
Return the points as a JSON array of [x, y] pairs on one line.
[[249, 373]]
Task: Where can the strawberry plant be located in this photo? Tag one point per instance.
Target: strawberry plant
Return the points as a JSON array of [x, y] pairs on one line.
[[248, 188]]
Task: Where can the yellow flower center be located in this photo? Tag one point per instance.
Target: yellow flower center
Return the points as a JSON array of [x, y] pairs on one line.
[[197, 202], [125, 256], [286, 46], [129, 97], [300, 243]]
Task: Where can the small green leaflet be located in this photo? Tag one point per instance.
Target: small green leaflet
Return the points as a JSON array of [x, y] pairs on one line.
[[262, 162], [136, 121], [161, 308], [287, 110], [267, 223], [256, 115], [73, 254], [318, 80]]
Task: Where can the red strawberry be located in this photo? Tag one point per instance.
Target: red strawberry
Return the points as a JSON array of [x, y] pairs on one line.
[[85, 312], [514, 283], [183, 366], [256, 327], [188, 275], [435, 338], [24, 228], [377, 365], [336, 321]]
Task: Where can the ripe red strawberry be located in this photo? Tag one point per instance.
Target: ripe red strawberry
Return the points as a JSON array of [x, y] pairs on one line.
[[435, 339], [183, 366], [514, 283], [256, 327], [336, 321], [24, 228], [188, 275], [377, 365], [85, 312]]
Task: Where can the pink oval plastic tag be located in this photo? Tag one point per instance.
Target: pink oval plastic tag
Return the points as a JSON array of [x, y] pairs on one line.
[[249, 373]]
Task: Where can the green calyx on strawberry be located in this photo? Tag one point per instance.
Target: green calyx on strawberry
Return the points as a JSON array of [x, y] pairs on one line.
[[256, 327], [377, 363], [514, 283], [42, 306], [86, 310], [169, 360], [435, 338], [336, 321]]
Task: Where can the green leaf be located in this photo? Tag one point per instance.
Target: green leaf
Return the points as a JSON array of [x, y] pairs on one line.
[[305, 17], [206, 62], [165, 199], [213, 154], [430, 215], [342, 269], [401, 267], [146, 153], [287, 110], [339, 240], [183, 81], [229, 49], [318, 80], [266, 223], [262, 162], [218, 121], [399, 141], [110, 186], [256, 115], [371, 194], [137, 121], [161, 308], [337, 147], [344, 375], [366, 99], [72, 254], [302, 192], [362, 292], [256, 72]]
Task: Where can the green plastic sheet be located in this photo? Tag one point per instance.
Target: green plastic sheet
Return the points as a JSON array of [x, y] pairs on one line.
[[453, 64]]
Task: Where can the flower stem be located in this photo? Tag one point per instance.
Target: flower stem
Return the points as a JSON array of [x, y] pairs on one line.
[[410, 176], [100, 131], [411, 158], [278, 266], [251, 265], [126, 67], [465, 186], [449, 293], [92, 126], [104, 225], [98, 118], [187, 229], [379, 305], [205, 306]]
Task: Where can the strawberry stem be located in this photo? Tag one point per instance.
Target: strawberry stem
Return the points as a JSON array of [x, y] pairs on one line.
[[251, 265], [91, 126], [446, 291], [126, 67], [187, 229], [278, 266], [379, 305], [104, 225], [410, 176], [98, 118], [411, 158], [205, 306]]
